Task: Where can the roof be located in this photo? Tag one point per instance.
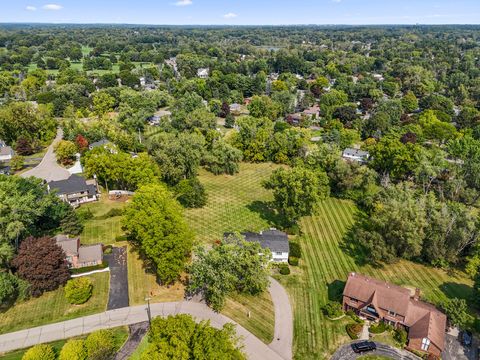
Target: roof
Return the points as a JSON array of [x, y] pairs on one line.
[[423, 319], [355, 152], [99, 143], [6, 150], [90, 253], [68, 245], [275, 240], [388, 296], [71, 185], [315, 109]]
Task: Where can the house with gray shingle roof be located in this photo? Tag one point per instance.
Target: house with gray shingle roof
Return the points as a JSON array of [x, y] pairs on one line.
[[79, 256]]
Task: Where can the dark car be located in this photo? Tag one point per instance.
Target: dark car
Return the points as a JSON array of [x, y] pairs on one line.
[[466, 338], [364, 346]]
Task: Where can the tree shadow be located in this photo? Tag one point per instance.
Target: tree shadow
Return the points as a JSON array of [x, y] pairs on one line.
[[335, 290], [457, 290], [268, 213]]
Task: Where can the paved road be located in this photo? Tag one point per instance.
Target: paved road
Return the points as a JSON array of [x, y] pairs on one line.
[[48, 169], [118, 294], [137, 332], [254, 348], [345, 352]]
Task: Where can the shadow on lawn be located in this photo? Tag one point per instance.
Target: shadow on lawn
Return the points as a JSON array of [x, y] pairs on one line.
[[267, 213], [335, 290], [457, 290]]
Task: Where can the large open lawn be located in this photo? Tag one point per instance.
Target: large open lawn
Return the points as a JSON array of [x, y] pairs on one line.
[[235, 203], [53, 307], [324, 267]]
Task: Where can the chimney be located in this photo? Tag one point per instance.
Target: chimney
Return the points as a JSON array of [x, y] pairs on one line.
[[416, 297]]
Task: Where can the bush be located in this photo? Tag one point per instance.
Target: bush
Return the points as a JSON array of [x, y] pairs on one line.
[[78, 290], [73, 350], [284, 269], [353, 330], [39, 352], [400, 336], [292, 260], [333, 309], [100, 345], [84, 214], [294, 229], [378, 328], [354, 317], [295, 250]]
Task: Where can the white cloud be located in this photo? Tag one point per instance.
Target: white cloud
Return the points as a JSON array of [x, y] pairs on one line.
[[52, 7], [30, 8], [230, 15], [183, 3], [336, 1]]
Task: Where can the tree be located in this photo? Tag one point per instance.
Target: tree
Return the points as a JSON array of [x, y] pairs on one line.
[[17, 162], [263, 106], [8, 286], [42, 263], [435, 129], [82, 143], [73, 350], [229, 121], [40, 352], [296, 191], [235, 265], [65, 151], [191, 193], [223, 159], [154, 221], [100, 345], [24, 146], [225, 110], [78, 290], [102, 103], [180, 337], [71, 224], [456, 311], [410, 102]]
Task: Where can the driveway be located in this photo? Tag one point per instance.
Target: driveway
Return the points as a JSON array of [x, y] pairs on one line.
[[48, 169], [345, 352], [283, 333], [117, 262], [454, 350], [137, 332]]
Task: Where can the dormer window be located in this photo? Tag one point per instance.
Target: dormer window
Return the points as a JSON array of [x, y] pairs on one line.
[[425, 344]]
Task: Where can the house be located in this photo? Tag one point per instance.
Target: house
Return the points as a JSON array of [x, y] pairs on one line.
[[312, 112], [75, 190], [157, 117], [79, 256], [6, 152], [358, 155], [235, 108], [99, 143], [377, 300], [203, 73], [275, 240]]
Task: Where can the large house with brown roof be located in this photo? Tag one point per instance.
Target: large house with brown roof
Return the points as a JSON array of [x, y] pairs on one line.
[[378, 300]]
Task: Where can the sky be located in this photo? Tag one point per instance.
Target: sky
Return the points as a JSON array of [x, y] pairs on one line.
[[242, 12]]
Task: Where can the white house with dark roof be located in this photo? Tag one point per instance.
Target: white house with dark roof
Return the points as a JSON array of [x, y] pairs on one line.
[[6, 152], [275, 240], [203, 73], [357, 155], [75, 190]]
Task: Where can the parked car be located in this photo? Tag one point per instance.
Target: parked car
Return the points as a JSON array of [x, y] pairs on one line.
[[363, 346], [466, 338]]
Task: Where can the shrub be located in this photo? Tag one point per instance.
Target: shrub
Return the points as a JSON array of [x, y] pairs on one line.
[[73, 350], [295, 250], [378, 328], [84, 214], [400, 336], [354, 317], [284, 269], [353, 330], [292, 260], [332, 309], [100, 345], [39, 352], [78, 290]]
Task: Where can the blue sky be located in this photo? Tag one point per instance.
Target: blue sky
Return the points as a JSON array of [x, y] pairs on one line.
[[264, 12]]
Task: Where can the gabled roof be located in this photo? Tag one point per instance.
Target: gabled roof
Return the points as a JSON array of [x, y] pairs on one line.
[[6, 150], [68, 245], [275, 240], [73, 184], [90, 253], [426, 321], [355, 153]]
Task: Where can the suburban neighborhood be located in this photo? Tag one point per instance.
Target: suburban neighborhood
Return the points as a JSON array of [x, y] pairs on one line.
[[240, 188]]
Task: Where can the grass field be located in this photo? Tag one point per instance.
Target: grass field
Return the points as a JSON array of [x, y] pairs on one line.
[[120, 335], [102, 228], [235, 203], [324, 268], [52, 307]]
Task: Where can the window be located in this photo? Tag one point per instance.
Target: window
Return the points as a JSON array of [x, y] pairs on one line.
[[425, 344], [279, 253], [391, 313]]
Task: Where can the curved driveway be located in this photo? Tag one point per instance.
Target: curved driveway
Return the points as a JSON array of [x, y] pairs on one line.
[[254, 348], [345, 352], [48, 169]]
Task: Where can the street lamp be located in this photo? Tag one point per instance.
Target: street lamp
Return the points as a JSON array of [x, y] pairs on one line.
[[149, 314]]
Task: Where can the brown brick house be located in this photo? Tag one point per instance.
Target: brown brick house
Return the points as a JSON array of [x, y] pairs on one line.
[[377, 300]]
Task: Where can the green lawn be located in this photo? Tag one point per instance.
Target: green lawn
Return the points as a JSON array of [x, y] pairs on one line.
[[52, 307], [102, 229], [324, 267], [120, 334], [235, 203]]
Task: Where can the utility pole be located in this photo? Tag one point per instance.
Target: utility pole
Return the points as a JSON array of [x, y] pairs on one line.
[[149, 314]]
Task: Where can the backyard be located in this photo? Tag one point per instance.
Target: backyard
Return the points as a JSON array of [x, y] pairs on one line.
[[324, 267]]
